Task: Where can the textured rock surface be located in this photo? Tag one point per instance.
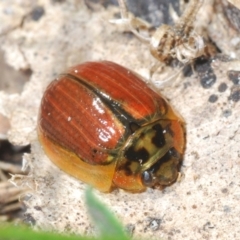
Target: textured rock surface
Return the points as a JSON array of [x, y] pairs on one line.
[[49, 36]]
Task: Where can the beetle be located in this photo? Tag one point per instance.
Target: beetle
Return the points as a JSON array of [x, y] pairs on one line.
[[102, 124]]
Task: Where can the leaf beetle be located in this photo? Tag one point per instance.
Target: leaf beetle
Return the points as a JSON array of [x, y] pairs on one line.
[[102, 124]]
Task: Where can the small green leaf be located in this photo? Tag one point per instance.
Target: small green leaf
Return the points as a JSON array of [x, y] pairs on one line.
[[10, 232], [108, 226]]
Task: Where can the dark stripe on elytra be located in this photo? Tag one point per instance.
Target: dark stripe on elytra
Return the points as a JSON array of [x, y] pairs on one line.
[[125, 118]]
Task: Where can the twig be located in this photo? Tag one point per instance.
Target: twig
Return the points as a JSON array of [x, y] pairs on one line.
[[3, 177], [8, 167], [11, 207]]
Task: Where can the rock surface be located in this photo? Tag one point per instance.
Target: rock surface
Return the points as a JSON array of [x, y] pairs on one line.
[[49, 36]]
